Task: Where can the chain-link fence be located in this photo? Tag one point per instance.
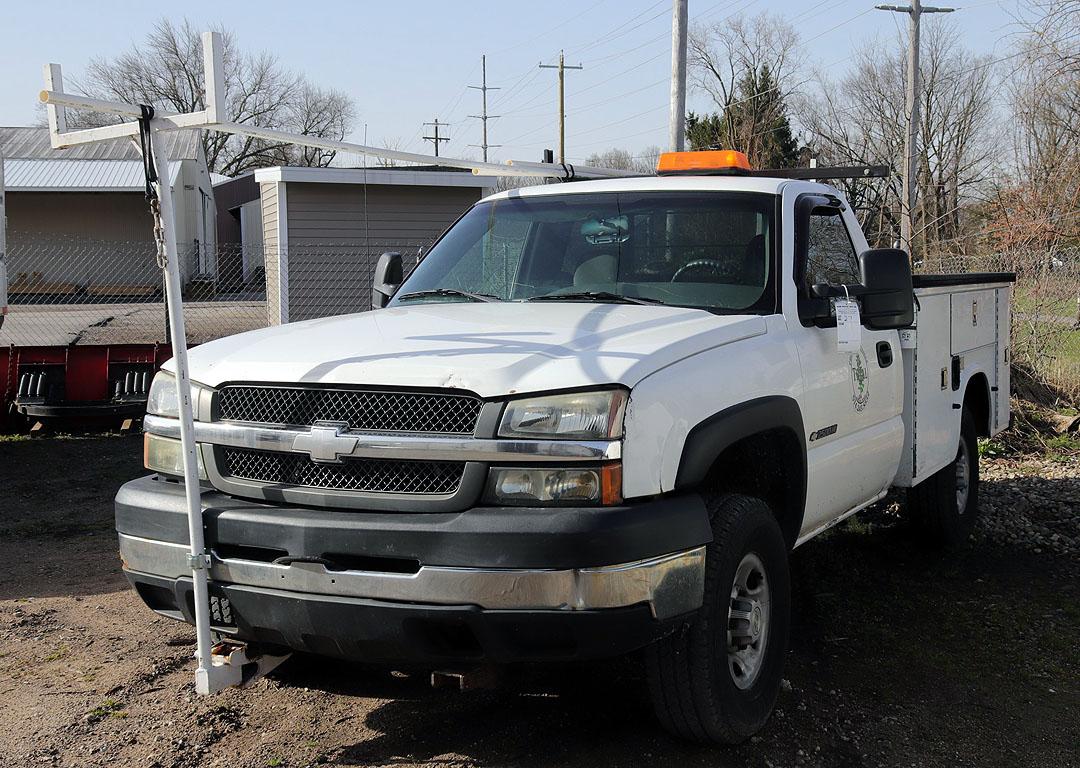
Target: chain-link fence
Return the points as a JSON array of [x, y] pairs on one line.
[[71, 292], [325, 280], [65, 292], [1046, 309]]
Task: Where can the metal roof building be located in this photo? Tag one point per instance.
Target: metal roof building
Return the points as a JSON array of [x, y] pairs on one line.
[[64, 175], [32, 143], [32, 165], [79, 227]]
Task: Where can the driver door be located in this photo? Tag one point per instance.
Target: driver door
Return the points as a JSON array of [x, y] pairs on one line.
[[853, 401]]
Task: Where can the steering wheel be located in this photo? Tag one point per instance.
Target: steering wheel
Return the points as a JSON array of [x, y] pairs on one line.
[[711, 264]]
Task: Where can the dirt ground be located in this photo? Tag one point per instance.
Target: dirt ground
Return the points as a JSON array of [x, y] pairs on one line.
[[899, 656]]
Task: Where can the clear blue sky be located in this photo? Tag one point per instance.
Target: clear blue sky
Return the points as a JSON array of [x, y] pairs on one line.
[[408, 61]]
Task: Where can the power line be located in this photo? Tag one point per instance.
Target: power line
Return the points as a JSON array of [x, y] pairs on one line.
[[721, 6], [560, 25], [627, 26], [614, 33]]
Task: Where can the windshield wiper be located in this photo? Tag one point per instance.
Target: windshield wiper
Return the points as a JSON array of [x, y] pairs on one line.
[[449, 292], [595, 296]]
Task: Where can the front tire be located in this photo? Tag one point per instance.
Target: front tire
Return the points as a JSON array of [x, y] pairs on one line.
[[717, 678], [945, 506]]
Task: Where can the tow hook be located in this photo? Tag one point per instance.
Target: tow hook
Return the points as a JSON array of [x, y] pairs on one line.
[[478, 678]]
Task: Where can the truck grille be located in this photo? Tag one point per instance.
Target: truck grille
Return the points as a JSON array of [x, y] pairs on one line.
[[364, 475], [362, 410]]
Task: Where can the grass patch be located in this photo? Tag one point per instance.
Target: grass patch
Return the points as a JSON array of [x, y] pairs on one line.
[[107, 708], [60, 652], [1034, 432], [992, 449]]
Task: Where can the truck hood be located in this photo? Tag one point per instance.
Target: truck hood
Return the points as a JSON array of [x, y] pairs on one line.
[[491, 349]]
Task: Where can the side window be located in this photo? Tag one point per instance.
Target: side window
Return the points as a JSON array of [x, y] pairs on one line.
[[830, 256]]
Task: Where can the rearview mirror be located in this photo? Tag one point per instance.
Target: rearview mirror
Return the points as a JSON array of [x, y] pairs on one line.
[[386, 280], [888, 298]]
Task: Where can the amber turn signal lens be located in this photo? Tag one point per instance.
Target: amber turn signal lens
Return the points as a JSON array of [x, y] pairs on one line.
[[611, 484]]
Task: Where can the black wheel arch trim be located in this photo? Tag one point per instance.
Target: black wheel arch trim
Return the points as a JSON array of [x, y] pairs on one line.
[[707, 440]]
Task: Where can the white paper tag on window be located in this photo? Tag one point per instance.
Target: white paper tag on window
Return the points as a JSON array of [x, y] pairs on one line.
[[848, 326]]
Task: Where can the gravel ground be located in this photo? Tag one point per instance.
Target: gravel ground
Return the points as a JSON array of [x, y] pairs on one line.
[[900, 656], [1035, 504]]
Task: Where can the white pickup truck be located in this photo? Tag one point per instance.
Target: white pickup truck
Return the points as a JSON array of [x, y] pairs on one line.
[[594, 419]]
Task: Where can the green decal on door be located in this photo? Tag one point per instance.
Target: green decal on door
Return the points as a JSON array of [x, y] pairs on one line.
[[860, 380]]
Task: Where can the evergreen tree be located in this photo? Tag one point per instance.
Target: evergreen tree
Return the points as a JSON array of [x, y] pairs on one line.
[[755, 122], [705, 131]]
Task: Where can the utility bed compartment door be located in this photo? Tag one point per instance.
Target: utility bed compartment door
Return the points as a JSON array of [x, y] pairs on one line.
[[974, 320], [960, 331], [932, 426]]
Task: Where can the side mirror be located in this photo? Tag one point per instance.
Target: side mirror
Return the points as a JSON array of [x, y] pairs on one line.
[[888, 298], [386, 280]]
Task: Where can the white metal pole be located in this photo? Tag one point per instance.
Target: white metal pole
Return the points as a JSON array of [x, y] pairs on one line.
[[54, 81], [677, 120], [199, 120], [200, 561]]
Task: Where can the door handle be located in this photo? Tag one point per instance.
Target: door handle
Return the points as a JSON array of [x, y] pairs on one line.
[[884, 354]]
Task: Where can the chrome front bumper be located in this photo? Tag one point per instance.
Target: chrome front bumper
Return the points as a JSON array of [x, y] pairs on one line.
[[670, 585]]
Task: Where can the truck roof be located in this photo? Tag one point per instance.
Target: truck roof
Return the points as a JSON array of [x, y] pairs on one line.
[[688, 183]]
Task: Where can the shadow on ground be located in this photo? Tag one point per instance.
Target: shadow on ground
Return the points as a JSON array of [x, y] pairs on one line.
[[898, 655]]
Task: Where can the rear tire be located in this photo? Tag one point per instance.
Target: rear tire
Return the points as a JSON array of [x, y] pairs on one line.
[[945, 506], [717, 678]]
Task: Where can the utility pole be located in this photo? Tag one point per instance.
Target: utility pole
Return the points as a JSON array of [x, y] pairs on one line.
[[437, 138], [677, 121], [914, 95], [561, 66], [483, 116]]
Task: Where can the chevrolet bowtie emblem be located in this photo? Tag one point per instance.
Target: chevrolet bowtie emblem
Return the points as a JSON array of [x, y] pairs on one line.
[[325, 443]]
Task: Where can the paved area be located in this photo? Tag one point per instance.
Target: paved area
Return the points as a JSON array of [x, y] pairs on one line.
[[68, 324]]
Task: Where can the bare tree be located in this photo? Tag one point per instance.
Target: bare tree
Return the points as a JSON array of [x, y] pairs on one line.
[[861, 119], [750, 68], [621, 159], [393, 142], [165, 70], [317, 112], [618, 159], [1036, 208]]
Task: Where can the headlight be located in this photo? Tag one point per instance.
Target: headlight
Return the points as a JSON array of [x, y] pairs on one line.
[[164, 454], [162, 400], [590, 415], [555, 486]]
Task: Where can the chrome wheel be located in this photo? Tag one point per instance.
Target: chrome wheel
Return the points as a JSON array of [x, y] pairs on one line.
[[963, 476], [748, 621]]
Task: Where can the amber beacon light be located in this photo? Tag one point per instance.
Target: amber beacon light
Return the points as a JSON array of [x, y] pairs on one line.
[[714, 162]]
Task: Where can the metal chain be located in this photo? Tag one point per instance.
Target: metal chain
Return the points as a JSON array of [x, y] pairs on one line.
[[159, 234]]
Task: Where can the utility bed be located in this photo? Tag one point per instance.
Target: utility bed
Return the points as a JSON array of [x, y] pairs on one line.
[[961, 332]]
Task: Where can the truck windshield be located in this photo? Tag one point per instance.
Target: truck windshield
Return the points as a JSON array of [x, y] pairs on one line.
[[708, 250]]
